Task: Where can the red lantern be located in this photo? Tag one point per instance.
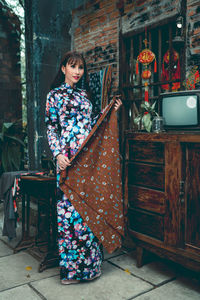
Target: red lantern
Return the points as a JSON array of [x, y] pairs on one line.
[[146, 74], [146, 57]]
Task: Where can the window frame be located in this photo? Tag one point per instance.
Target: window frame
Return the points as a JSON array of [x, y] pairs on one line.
[[127, 85]]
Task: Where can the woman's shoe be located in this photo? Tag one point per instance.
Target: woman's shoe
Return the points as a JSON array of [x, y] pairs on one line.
[[65, 281]]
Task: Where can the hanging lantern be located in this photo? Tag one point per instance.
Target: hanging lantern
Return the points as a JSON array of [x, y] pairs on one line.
[[146, 57], [146, 74]]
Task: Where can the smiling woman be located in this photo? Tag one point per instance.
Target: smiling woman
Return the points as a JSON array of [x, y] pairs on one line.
[[74, 63], [69, 121], [73, 71]]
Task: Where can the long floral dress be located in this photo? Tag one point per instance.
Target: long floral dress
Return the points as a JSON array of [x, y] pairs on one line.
[[69, 121]]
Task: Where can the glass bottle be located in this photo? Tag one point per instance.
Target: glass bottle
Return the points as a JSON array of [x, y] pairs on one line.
[[158, 124]]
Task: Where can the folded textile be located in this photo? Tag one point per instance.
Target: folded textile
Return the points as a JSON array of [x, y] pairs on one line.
[[93, 181]]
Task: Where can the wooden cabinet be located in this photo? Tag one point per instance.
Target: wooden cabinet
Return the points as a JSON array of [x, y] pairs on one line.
[[162, 193]]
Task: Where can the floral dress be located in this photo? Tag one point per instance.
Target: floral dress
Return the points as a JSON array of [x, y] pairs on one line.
[[69, 121]]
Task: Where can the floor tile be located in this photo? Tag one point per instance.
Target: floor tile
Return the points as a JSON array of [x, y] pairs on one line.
[[114, 254], [19, 293], [180, 289], [156, 272], [114, 284], [13, 270], [5, 250]]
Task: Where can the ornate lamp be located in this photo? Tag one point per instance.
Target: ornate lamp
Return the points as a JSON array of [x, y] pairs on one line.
[[178, 39]]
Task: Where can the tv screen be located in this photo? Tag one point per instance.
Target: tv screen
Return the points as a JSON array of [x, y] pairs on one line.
[[181, 109]]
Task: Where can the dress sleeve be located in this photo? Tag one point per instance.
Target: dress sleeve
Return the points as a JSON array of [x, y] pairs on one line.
[[52, 123]]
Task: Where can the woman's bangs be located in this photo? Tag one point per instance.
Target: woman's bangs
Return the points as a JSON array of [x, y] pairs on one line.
[[75, 61]]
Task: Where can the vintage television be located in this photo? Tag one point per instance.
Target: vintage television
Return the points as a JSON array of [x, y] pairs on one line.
[[180, 110]]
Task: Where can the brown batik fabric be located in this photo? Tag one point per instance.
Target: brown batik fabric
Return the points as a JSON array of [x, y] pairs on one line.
[[93, 181]]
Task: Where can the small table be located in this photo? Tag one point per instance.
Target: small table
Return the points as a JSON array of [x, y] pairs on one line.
[[43, 188]]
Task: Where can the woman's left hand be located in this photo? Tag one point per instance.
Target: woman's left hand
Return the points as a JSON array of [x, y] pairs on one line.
[[117, 104]]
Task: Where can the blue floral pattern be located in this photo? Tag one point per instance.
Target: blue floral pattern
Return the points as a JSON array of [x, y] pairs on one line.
[[69, 121]]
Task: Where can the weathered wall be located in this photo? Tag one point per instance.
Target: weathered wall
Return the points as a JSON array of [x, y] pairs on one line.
[[193, 29], [147, 12], [10, 80], [96, 27], [48, 36]]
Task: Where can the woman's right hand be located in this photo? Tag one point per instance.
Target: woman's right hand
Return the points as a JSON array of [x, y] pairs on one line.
[[63, 162]]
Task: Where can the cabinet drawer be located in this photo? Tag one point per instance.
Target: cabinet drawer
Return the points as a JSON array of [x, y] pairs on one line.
[[152, 176], [146, 199], [146, 223], [146, 151]]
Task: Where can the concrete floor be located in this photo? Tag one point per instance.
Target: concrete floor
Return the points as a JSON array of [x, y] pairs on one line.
[[121, 279]]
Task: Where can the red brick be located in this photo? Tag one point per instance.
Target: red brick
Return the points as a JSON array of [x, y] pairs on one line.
[[84, 20], [103, 19], [129, 7], [91, 3], [111, 8], [94, 23], [78, 31], [114, 15], [98, 13], [104, 3]]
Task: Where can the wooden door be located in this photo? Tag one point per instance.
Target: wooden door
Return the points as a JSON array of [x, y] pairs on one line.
[[192, 197]]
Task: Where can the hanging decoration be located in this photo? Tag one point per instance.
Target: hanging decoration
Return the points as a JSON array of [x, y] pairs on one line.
[[192, 78], [146, 57], [176, 73]]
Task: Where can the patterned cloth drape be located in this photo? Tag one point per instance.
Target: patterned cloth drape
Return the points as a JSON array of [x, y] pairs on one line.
[[95, 83], [100, 84], [93, 182], [106, 85]]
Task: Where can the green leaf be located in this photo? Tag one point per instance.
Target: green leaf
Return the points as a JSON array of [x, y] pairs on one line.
[[153, 106], [6, 126], [146, 120], [146, 105], [137, 119]]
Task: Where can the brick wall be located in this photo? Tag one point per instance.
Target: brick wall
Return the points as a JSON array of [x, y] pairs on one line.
[[96, 26], [10, 79], [95, 29], [193, 29]]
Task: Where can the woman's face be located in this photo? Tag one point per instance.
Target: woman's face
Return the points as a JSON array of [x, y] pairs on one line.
[[73, 72]]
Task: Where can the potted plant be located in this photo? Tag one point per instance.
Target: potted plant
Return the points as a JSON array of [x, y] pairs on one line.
[[146, 115]]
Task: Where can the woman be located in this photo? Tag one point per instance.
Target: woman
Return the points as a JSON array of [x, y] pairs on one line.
[[69, 120]]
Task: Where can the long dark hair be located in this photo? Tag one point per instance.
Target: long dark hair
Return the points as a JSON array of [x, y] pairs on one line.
[[72, 57]]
